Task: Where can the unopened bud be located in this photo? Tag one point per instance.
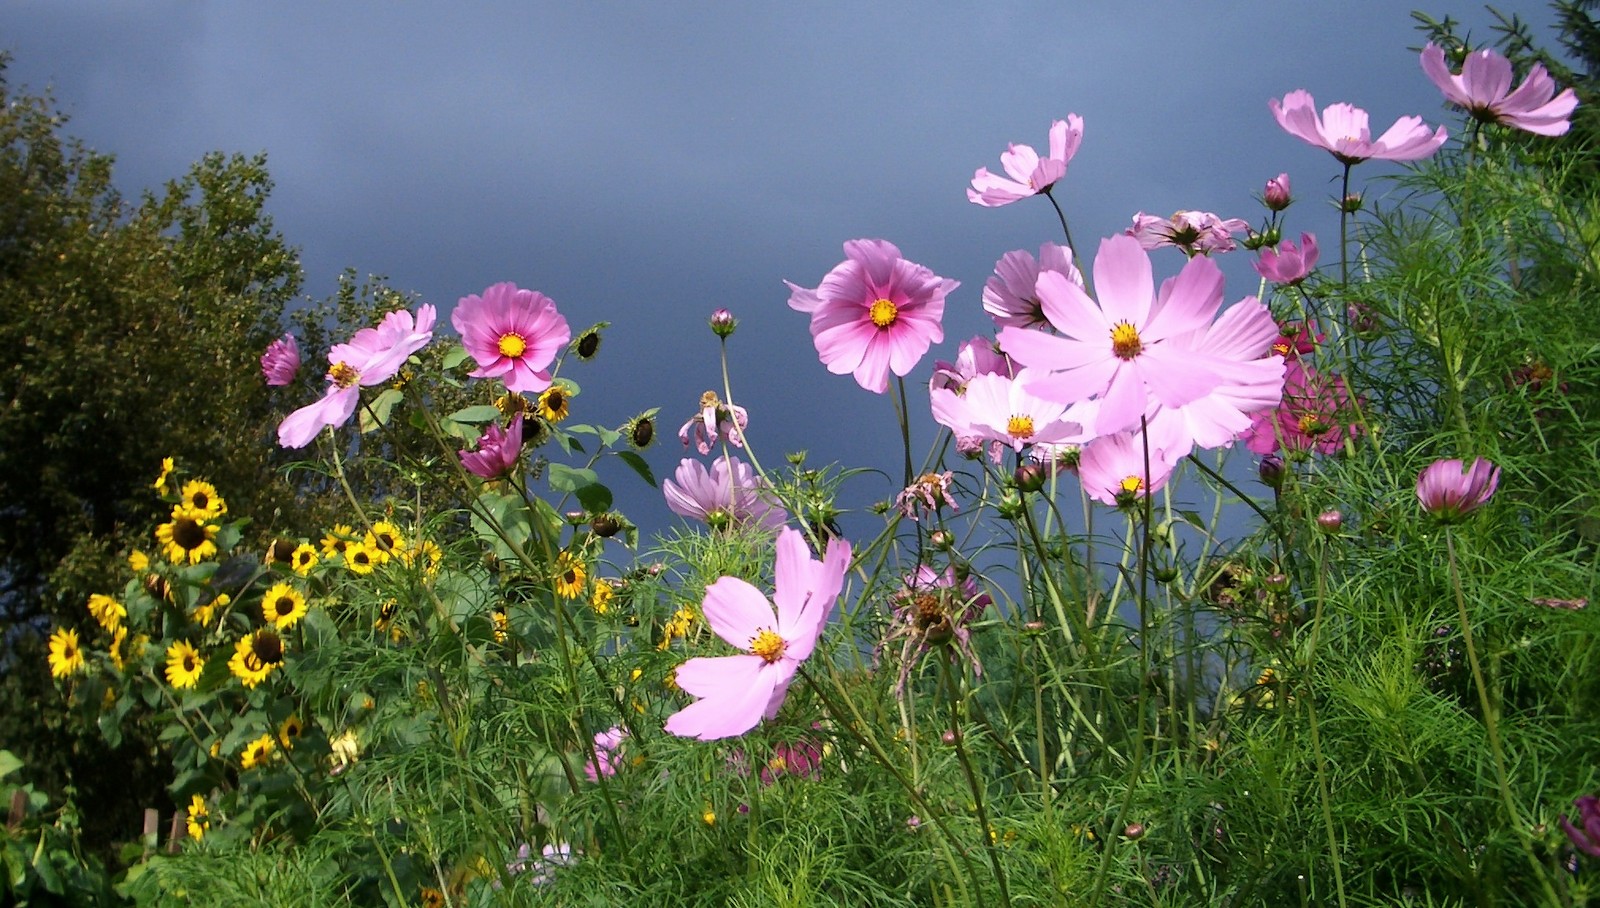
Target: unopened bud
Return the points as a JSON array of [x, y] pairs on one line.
[[1330, 521], [941, 540], [1272, 471], [1010, 506], [1166, 573], [1351, 203], [949, 737], [1276, 194], [1277, 583], [1029, 477], [723, 323], [577, 517], [1133, 831]]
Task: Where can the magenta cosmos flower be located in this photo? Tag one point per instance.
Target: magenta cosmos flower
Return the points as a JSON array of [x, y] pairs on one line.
[[1314, 415], [608, 749], [281, 361], [874, 313], [1010, 297], [498, 450], [1030, 174], [730, 494], [1275, 195], [1195, 232], [1342, 130], [371, 357], [513, 334], [736, 692], [1288, 264], [1121, 350], [1450, 489], [1484, 89]]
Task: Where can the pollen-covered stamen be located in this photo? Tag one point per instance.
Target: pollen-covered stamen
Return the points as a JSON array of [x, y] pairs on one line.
[[768, 645], [1125, 343], [884, 313], [343, 374], [1020, 426], [1132, 485], [1313, 425], [512, 345], [710, 399]]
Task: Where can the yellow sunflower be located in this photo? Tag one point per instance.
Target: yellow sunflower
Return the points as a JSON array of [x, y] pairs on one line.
[[188, 537], [66, 657], [283, 605], [502, 624], [201, 496], [359, 558], [109, 612], [335, 540], [205, 613], [569, 576], [425, 551], [160, 485], [139, 562], [257, 752], [184, 665], [303, 559], [600, 599], [385, 540], [117, 637], [199, 818], [289, 731], [553, 401], [256, 656], [432, 898]]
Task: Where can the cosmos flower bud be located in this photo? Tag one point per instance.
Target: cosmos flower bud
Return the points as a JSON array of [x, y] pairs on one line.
[[1030, 477], [1276, 194], [1272, 471], [1330, 521], [723, 323]]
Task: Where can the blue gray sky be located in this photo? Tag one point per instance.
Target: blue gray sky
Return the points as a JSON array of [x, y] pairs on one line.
[[647, 162]]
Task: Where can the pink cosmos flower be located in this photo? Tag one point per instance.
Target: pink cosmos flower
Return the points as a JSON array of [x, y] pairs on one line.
[[1118, 349], [281, 361], [372, 357], [736, 692], [1195, 232], [874, 313], [998, 408], [714, 420], [607, 749], [1244, 334], [1009, 296], [1296, 340], [513, 334], [1484, 89], [729, 494], [1112, 469], [1342, 131], [1449, 489], [974, 357], [1276, 194], [498, 450], [1313, 416], [1288, 264], [1030, 175]]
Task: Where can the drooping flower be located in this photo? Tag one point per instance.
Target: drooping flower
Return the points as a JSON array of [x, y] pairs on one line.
[[1342, 130], [713, 421], [1134, 347], [736, 692], [874, 313], [1484, 89], [934, 608], [1276, 194], [1030, 174], [188, 536], [281, 362], [1314, 415], [1009, 296], [1449, 489], [107, 611], [65, 656], [184, 665], [1288, 264], [608, 750], [283, 606], [1195, 232], [513, 334], [498, 450], [1113, 471], [372, 357], [729, 494], [931, 491], [1584, 837], [998, 408], [198, 818]]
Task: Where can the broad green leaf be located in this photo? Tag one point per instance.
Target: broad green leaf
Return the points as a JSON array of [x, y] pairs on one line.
[[639, 466], [376, 413], [476, 415]]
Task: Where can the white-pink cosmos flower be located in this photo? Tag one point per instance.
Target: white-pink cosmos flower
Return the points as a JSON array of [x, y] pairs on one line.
[[1195, 232], [975, 356], [1244, 335], [874, 313], [1030, 174], [730, 494], [1003, 409], [1009, 296], [774, 637], [1119, 350], [1484, 89], [372, 357], [1114, 471], [513, 334], [1342, 130]]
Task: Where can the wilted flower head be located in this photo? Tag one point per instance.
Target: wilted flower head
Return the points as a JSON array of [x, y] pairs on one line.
[[498, 450], [1030, 174], [1195, 232], [1288, 264], [1449, 489], [513, 334], [931, 491], [1010, 296], [729, 494], [1484, 89], [1342, 130], [715, 420], [935, 608], [1276, 194], [372, 357], [281, 361]]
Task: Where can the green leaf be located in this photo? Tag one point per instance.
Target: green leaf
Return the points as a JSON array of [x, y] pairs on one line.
[[476, 415], [639, 466], [376, 414], [508, 514], [595, 498], [569, 479], [455, 356]]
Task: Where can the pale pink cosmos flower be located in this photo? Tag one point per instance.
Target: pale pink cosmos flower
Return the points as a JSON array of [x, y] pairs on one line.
[[730, 494], [608, 750], [281, 361], [1118, 350], [998, 408], [1315, 415], [1010, 297], [1484, 89], [975, 356], [1030, 174], [372, 356], [1195, 232], [1450, 489], [714, 420], [513, 334], [1275, 195], [498, 450], [1342, 130], [1245, 335], [874, 313], [774, 637], [1288, 264], [1113, 471]]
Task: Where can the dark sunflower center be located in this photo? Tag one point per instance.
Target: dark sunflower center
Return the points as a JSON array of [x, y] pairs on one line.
[[643, 431], [202, 500], [268, 648], [282, 550], [284, 606], [555, 400], [188, 533], [570, 578], [384, 541], [589, 345], [188, 663]]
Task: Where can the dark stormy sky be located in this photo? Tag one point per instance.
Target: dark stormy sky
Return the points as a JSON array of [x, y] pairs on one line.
[[647, 162]]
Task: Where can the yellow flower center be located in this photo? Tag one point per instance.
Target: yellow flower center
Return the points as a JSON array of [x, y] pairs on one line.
[[1312, 424], [768, 645], [342, 374], [512, 345], [1020, 427], [1132, 485], [1125, 343], [884, 313]]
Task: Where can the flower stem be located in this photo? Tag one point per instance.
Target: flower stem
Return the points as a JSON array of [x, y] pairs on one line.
[[986, 832]]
